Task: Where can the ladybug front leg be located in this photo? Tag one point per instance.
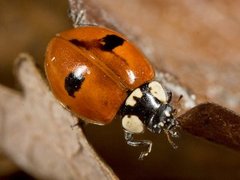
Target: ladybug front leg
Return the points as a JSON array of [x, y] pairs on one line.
[[130, 141]]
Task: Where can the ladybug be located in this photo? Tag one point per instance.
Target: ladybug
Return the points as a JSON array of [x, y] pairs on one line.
[[97, 73]]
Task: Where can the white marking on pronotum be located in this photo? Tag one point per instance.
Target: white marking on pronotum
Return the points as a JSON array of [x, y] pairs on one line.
[[132, 124], [130, 100], [158, 91]]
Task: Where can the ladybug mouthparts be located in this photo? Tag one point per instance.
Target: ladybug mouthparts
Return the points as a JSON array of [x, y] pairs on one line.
[[163, 120]]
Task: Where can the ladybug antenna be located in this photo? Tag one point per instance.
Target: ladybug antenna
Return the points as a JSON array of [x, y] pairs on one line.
[[169, 94], [179, 99], [177, 104], [169, 135]]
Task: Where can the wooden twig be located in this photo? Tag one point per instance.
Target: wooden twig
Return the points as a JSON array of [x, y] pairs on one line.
[[214, 123], [35, 131], [77, 13], [89, 12]]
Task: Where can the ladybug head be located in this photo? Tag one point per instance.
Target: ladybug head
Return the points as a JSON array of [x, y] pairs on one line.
[[167, 119], [164, 119]]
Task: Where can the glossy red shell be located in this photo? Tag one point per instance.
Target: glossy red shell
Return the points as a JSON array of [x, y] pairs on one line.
[[108, 67]]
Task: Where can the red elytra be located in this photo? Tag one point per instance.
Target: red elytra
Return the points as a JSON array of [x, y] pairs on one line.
[[91, 70]]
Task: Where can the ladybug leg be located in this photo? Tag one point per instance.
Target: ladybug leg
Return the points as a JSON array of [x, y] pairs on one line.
[[171, 128], [173, 133], [169, 135], [132, 142], [79, 123]]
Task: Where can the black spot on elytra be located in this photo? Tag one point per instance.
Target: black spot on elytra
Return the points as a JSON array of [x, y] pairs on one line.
[[73, 83], [111, 41], [76, 42]]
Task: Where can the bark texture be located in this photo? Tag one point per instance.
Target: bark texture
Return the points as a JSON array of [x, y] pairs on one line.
[[36, 131]]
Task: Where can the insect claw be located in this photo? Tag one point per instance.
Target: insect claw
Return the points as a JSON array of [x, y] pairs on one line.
[[167, 132]]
